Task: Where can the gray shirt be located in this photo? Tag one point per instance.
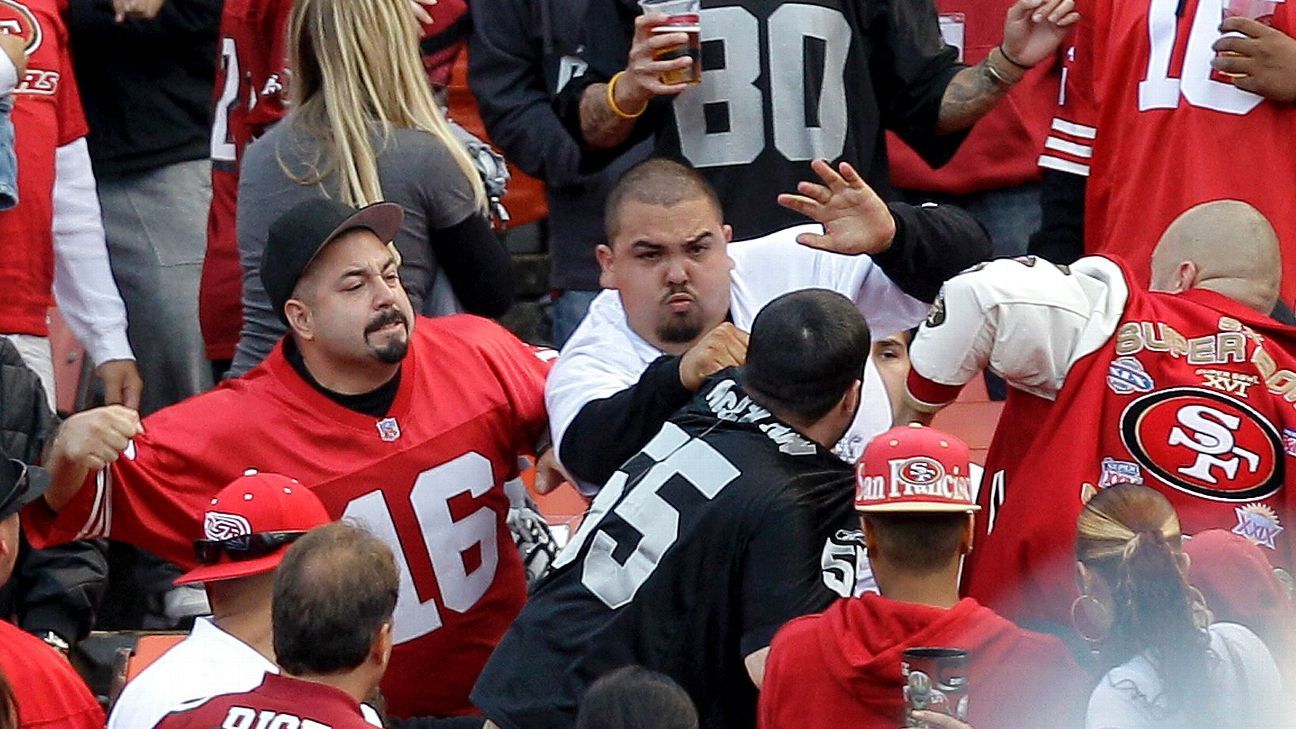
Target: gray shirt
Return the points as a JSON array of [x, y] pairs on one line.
[[415, 170]]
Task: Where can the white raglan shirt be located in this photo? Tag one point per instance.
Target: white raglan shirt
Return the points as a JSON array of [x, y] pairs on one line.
[[605, 356]]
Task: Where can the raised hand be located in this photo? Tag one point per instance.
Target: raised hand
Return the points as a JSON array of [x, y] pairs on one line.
[[1033, 29], [855, 219]]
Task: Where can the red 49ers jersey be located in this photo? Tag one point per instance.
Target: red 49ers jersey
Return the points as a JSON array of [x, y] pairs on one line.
[[250, 95], [1157, 131], [46, 115], [1191, 394], [426, 479]]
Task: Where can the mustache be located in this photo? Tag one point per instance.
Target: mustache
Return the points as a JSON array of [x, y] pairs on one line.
[[678, 289], [385, 317]]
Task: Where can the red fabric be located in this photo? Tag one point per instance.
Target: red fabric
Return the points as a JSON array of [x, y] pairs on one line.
[[49, 692], [278, 701], [46, 115], [1003, 147], [1171, 137], [842, 668], [471, 399], [253, 49], [1047, 457]]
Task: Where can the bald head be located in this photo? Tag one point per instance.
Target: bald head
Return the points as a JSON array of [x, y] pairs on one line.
[[1225, 246]]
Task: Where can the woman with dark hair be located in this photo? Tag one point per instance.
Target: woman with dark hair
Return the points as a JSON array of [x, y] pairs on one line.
[[1166, 663], [636, 698]]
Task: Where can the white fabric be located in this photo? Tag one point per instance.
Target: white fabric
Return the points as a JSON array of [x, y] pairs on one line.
[[84, 287], [8, 75], [1027, 323], [1246, 688], [208, 663], [39, 358], [605, 356]]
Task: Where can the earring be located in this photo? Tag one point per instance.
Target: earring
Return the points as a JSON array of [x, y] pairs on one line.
[[1094, 641]]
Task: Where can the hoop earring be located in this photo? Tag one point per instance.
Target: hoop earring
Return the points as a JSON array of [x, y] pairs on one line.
[[1093, 641]]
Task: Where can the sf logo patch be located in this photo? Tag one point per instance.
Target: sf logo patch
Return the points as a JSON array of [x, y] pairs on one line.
[[17, 19], [1204, 443]]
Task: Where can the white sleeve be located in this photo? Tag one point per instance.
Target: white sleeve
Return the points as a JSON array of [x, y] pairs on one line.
[[84, 288], [1025, 319], [775, 264], [8, 75]]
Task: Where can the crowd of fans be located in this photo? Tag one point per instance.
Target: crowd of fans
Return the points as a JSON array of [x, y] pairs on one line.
[[307, 444]]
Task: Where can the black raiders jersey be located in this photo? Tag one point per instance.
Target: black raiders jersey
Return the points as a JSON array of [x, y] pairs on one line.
[[784, 83], [692, 556]]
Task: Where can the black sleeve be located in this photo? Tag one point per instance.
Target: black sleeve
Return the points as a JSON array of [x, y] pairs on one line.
[[781, 574], [59, 588], [912, 65], [506, 77], [477, 265], [179, 21], [606, 433], [933, 243], [1060, 238]]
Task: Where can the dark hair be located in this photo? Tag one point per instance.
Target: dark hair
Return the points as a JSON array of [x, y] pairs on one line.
[[335, 588], [636, 698], [919, 543], [1130, 535], [656, 181], [806, 349]]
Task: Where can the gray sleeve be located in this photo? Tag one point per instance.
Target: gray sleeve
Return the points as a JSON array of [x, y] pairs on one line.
[[262, 328], [445, 193]]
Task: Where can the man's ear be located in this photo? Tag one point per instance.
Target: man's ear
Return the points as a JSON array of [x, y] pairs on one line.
[[969, 530], [850, 401], [1185, 276], [606, 260], [870, 543], [299, 318], [380, 652]]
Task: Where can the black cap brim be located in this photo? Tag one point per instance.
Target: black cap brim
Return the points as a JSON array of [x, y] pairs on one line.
[[25, 490], [382, 218]]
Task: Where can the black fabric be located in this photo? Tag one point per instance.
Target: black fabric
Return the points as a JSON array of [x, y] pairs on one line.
[[477, 265], [607, 432], [894, 76], [519, 54], [1060, 238], [933, 243], [51, 589], [374, 403], [735, 509], [146, 85]]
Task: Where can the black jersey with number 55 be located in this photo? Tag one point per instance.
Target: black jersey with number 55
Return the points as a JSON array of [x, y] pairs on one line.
[[691, 558]]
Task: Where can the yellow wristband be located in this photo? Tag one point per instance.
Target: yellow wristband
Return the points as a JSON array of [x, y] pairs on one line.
[[611, 99]]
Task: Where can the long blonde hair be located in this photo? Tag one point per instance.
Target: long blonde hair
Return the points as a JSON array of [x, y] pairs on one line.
[[354, 64]]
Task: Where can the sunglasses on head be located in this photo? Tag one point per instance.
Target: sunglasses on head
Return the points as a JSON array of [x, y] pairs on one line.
[[239, 549], [20, 485]]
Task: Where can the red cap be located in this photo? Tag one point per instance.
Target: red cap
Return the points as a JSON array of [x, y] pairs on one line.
[[255, 503], [914, 469]]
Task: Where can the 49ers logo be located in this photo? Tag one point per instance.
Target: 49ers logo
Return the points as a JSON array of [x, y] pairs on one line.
[[18, 19], [1205, 443]]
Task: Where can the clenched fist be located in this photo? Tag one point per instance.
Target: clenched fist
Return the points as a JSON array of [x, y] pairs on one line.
[[724, 346], [94, 438]]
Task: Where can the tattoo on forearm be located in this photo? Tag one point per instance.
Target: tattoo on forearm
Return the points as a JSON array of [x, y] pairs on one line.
[[970, 94], [601, 127]]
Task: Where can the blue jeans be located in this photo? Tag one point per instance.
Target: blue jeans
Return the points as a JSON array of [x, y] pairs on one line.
[[1009, 215], [8, 157], [566, 313]]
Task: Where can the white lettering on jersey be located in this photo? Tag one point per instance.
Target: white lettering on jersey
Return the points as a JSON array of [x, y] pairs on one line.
[[242, 717], [1211, 437]]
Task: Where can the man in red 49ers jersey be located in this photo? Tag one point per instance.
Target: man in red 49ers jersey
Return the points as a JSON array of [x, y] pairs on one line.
[[407, 426], [1147, 128], [1187, 388]]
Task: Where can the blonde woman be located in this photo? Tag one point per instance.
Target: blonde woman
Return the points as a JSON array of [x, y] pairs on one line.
[[1165, 663], [364, 127]]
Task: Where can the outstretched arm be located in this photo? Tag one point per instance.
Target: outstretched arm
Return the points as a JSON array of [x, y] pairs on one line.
[[1033, 30]]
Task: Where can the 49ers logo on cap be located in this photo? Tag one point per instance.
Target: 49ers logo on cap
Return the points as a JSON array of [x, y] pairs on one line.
[[919, 471], [17, 19], [1204, 443]]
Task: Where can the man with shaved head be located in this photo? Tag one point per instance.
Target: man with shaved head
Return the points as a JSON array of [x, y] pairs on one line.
[[1186, 386]]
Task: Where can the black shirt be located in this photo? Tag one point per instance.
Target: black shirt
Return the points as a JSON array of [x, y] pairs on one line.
[[782, 84], [691, 558], [374, 403]]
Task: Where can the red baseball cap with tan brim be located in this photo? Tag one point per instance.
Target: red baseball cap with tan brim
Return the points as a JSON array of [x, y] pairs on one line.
[[250, 523], [914, 468]]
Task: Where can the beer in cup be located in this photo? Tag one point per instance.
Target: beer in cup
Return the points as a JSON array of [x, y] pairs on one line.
[[1261, 11], [682, 16]]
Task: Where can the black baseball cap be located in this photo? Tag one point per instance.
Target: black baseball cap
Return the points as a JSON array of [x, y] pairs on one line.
[[20, 485], [301, 233]]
